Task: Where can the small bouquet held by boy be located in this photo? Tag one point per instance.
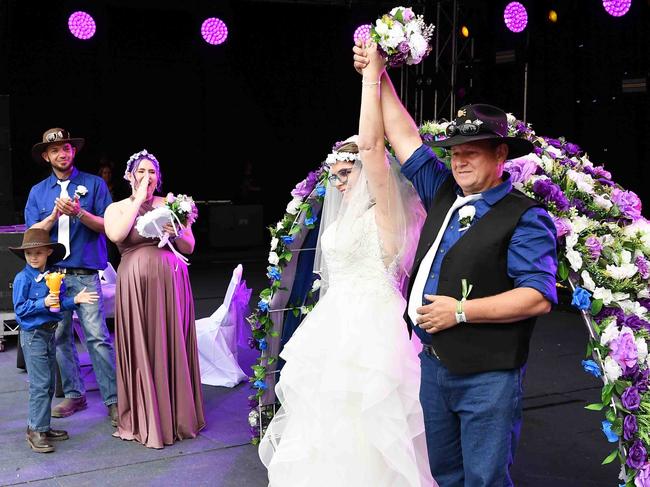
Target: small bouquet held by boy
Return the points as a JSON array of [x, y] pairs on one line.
[[179, 211], [402, 37], [39, 296]]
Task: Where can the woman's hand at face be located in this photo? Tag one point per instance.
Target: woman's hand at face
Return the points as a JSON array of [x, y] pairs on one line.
[[141, 190]]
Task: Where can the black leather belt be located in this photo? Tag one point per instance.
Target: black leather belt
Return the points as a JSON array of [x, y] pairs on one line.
[[79, 271], [49, 326], [429, 350]]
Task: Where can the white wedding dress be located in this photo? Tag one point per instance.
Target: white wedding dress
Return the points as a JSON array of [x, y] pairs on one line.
[[350, 412]]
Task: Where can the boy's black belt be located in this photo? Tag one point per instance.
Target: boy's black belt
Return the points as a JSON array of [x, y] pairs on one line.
[[49, 326], [80, 271]]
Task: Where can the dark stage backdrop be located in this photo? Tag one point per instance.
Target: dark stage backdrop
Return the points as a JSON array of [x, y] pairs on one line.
[[282, 88]]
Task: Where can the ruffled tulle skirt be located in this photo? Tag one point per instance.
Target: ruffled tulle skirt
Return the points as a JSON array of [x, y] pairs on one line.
[[350, 412]]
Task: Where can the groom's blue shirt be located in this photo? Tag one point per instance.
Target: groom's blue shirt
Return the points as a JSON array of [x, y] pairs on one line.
[[532, 254]]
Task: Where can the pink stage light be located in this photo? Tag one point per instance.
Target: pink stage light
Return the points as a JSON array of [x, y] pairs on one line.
[[362, 33], [82, 25], [515, 16], [617, 8], [214, 31]]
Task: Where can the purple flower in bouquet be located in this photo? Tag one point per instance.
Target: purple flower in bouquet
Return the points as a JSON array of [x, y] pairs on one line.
[[636, 455], [629, 427], [551, 193], [562, 226], [252, 343], [628, 202], [606, 182], [252, 402], [521, 127], [571, 149], [642, 478], [635, 323], [594, 247], [427, 138], [520, 169], [538, 150], [553, 142], [606, 312], [642, 265], [600, 171], [640, 380], [582, 207], [631, 399], [304, 188], [403, 47], [623, 350]]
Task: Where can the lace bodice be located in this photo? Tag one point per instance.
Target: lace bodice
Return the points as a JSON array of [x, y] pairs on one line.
[[356, 258]]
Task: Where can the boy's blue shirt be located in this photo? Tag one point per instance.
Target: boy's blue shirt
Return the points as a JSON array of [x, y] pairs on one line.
[[29, 300]]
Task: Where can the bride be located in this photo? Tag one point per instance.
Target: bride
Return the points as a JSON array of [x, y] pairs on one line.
[[350, 413]]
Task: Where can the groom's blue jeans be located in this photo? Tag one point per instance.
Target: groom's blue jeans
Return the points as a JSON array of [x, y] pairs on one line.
[[472, 424]]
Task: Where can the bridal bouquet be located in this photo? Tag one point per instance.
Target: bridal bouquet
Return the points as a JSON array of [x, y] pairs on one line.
[[178, 210], [402, 37]]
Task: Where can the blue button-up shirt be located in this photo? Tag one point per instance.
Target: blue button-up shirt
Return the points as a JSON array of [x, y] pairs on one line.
[[532, 254], [29, 300], [87, 247]]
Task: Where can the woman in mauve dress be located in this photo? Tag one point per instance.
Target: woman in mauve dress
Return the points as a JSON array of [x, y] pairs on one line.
[[158, 381]]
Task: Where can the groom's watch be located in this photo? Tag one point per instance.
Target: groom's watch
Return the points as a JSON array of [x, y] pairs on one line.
[[460, 314]]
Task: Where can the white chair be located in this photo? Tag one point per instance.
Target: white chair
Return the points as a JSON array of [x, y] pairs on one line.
[[217, 336]]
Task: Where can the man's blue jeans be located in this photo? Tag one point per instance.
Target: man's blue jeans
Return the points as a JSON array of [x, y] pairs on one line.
[[98, 342], [39, 351], [472, 423]]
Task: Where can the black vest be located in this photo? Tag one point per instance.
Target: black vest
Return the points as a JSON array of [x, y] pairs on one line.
[[481, 257]]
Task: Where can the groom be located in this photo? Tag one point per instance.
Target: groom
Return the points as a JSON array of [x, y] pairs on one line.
[[484, 269]]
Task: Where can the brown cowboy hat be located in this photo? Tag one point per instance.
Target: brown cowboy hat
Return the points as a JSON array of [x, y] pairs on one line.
[[482, 122], [56, 135], [37, 237]]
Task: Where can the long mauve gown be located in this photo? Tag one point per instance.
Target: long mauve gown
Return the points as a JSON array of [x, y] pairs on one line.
[[158, 381]]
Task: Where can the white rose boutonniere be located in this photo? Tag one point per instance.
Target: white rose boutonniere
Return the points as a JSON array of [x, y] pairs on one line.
[[466, 216], [81, 191]]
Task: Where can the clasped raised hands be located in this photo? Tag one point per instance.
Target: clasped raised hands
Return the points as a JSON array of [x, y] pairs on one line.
[[368, 61]]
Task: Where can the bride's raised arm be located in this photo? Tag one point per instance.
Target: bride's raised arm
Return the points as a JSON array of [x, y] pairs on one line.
[[372, 148]]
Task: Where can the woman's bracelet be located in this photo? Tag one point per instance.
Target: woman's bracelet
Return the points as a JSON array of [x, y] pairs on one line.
[[371, 83]]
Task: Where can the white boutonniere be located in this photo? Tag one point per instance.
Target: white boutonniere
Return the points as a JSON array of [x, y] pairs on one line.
[[81, 190], [465, 216]]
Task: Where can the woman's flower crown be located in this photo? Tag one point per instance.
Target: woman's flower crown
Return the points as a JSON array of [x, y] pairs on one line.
[[335, 157], [131, 165]]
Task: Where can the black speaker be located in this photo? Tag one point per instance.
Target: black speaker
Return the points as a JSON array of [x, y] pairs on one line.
[[10, 265]]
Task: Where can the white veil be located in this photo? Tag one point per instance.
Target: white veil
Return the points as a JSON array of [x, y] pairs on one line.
[[399, 216]]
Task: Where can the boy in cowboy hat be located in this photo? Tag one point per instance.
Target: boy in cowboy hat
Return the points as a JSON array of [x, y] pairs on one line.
[[70, 205], [32, 301]]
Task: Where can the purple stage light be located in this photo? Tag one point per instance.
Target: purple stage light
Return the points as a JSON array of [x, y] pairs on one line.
[[515, 16], [214, 31], [362, 33], [617, 8], [82, 25]]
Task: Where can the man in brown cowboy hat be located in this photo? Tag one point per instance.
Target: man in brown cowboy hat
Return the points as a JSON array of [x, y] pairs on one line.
[[484, 269], [70, 205], [32, 305]]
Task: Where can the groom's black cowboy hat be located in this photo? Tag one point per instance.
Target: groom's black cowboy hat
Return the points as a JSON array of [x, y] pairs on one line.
[[56, 135], [482, 122]]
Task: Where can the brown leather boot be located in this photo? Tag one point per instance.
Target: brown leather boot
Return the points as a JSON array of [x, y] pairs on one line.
[[69, 406], [56, 435], [112, 412], [39, 442]]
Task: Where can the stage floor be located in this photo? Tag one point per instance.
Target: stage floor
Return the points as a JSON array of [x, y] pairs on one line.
[[561, 442]]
